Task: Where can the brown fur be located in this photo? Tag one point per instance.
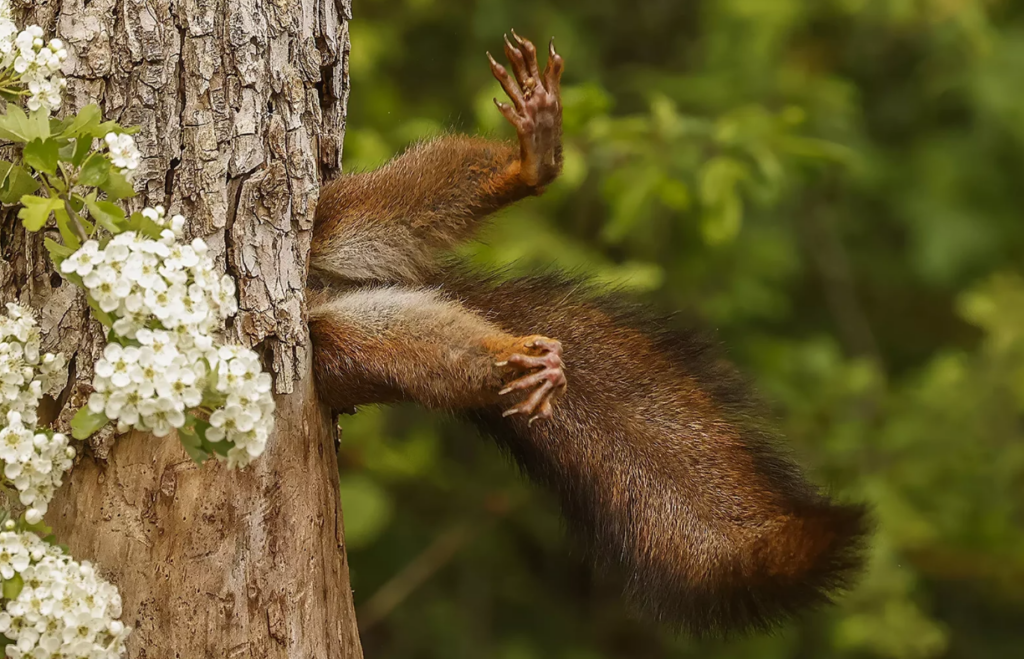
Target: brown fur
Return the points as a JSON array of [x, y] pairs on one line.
[[392, 343], [390, 224], [655, 452], [663, 468]]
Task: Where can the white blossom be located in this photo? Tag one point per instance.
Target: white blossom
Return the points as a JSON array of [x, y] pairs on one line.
[[25, 373], [246, 417], [136, 278], [123, 153], [33, 462], [64, 608], [37, 62], [8, 33], [168, 305]]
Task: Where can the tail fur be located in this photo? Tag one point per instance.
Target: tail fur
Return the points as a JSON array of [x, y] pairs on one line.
[[663, 469]]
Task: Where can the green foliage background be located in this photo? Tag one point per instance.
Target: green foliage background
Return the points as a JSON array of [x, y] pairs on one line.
[[837, 187]]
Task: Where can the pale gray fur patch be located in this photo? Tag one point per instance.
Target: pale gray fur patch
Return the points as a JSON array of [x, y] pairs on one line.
[[366, 254], [423, 312]]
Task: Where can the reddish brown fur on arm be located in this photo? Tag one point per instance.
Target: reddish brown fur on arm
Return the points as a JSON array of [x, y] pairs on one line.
[[389, 224], [387, 344]]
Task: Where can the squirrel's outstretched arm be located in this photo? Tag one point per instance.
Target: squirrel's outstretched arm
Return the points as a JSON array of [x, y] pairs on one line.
[[386, 344], [389, 224]]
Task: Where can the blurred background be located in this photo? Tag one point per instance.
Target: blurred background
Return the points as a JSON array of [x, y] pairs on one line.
[[837, 186]]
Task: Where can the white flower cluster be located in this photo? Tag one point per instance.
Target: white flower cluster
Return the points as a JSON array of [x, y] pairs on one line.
[[123, 153], [36, 61], [138, 279], [64, 608], [25, 373], [8, 33], [247, 415], [34, 462], [168, 302]]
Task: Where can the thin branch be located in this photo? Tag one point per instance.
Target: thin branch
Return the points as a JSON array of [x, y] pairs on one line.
[[414, 575], [417, 572]]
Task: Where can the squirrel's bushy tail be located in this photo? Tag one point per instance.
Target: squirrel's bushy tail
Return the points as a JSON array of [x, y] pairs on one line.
[[663, 468]]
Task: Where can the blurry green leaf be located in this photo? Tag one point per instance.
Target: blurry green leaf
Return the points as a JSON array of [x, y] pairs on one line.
[[723, 207], [13, 587], [17, 126], [85, 423], [95, 171], [368, 509], [574, 168], [143, 225], [67, 234], [42, 155], [36, 210], [18, 184], [631, 193], [99, 314], [83, 124], [107, 214], [582, 103], [116, 186]]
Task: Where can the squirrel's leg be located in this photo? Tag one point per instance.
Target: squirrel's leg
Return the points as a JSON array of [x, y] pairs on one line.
[[392, 343], [389, 224]]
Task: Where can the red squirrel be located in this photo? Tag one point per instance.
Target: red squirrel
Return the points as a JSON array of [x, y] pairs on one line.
[[650, 442]]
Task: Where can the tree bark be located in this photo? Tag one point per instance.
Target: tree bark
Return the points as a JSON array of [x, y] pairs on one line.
[[241, 105]]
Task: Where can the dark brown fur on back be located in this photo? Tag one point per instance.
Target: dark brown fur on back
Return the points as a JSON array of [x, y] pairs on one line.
[[662, 467]]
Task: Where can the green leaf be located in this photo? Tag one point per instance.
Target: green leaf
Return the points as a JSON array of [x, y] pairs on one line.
[[108, 215], [84, 123], [191, 440], [100, 314], [42, 155], [12, 124], [142, 224], [18, 184], [95, 171], [723, 206], [67, 234], [85, 423], [58, 253], [40, 528], [117, 186], [5, 171], [17, 126], [370, 509], [56, 249], [82, 149], [13, 586], [36, 210], [67, 152], [38, 125], [101, 130]]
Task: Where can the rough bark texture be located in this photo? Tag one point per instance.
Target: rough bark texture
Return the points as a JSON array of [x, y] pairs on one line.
[[242, 110]]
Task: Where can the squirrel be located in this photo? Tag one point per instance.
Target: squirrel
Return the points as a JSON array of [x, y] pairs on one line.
[[656, 452]]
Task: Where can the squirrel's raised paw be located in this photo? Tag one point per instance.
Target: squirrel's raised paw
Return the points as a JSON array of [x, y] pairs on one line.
[[545, 379], [536, 109]]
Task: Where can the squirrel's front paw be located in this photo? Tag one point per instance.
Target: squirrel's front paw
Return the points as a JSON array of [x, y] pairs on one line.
[[546, 383], [536, 109]]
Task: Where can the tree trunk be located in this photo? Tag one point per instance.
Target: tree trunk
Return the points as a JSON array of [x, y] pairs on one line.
[[242, 110]]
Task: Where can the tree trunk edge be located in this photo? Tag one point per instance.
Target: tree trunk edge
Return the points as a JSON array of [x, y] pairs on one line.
[[242, 107]]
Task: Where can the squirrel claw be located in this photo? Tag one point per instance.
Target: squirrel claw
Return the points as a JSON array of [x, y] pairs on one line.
[[546, 381], [536, 109]]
